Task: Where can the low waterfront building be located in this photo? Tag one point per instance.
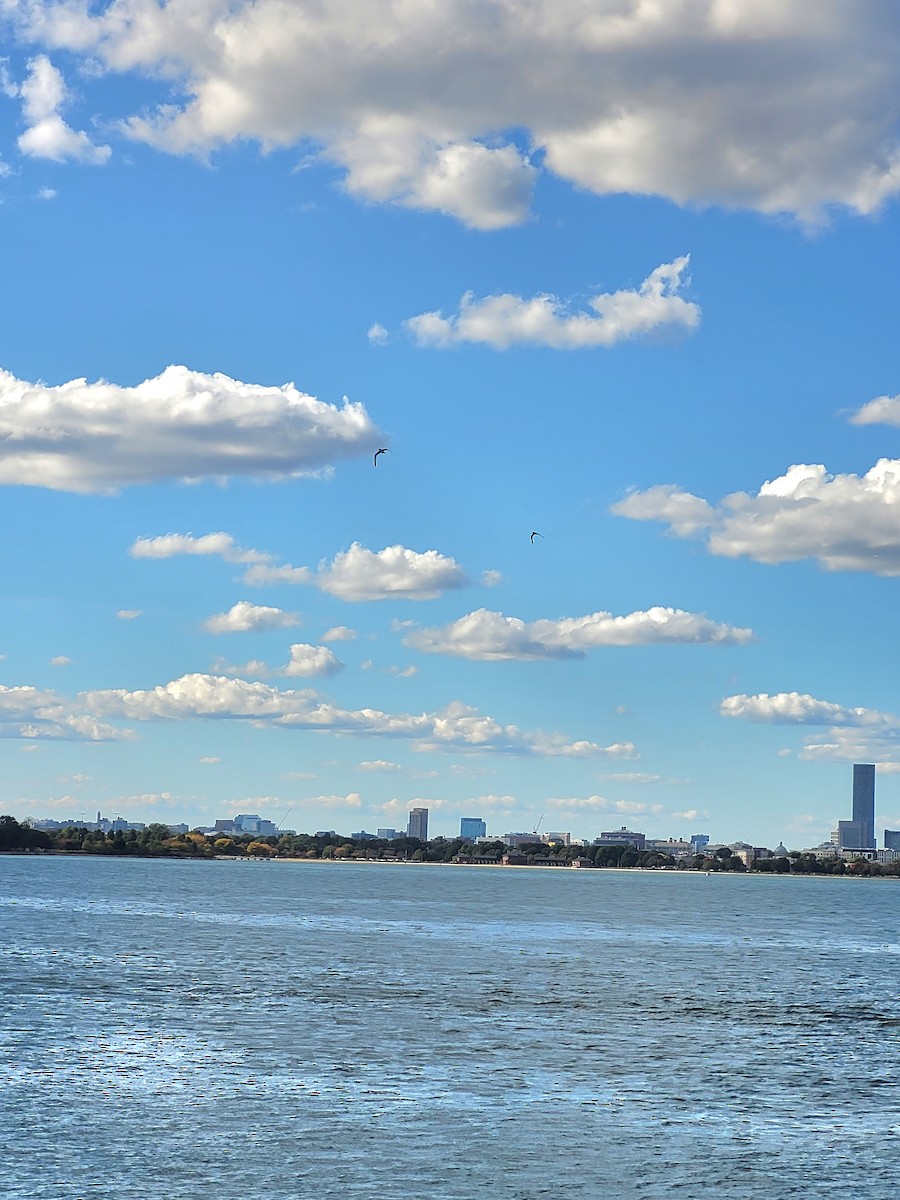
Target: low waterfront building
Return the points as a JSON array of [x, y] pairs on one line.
[[556, 839], [676, 847], [520, 839], [532, 860], [254, 823], [622, 837], [387, 835]]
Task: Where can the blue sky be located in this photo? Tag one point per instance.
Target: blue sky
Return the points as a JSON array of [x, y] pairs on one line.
[[583, 275]]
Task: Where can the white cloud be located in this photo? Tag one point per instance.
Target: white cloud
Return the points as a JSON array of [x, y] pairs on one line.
[[208, 759], [576, 804], [455, 727], [305, 662], [339, 633], [795, 708], [850, 734], [244, 616], [492, 636], [378, 334], [351, 800], [26, 712], [378, 764], [395, 806], [393, 573], [883, 410], [491, 578], [355, 574], [60, 660], [490, 803], [777, 107], [46, 193], [48, 136], [846, 522], [219, 545], [128, 614], [97, 437], [505, 320]]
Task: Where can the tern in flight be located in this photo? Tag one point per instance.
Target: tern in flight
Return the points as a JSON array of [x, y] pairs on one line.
[[534, 534], [383, 450]]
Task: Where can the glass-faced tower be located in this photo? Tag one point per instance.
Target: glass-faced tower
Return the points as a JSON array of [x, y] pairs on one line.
[[864, 803]]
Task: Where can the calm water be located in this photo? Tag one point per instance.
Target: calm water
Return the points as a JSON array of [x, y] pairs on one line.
[[196, 1031]]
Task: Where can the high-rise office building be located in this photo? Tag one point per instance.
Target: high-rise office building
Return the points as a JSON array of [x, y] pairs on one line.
[[417, 826], [472, 827], [892, 839], [859, 832]]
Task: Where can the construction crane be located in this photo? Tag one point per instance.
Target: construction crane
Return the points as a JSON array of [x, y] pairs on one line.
[[284, 818], [537, 827]]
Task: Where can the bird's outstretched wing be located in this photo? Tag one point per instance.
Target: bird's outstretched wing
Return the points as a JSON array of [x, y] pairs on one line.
[[383, 450], [534, 534]]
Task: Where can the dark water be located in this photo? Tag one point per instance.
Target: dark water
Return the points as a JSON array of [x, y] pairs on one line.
[[196, 1031]]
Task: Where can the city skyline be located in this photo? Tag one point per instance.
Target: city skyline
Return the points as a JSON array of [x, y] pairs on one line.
[[847, 835], [623, 328]]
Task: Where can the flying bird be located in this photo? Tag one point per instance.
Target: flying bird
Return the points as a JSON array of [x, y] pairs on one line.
[[383, 450], [534, 534]]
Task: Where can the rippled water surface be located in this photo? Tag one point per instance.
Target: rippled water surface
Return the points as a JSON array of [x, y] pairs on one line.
[[215, 1031]]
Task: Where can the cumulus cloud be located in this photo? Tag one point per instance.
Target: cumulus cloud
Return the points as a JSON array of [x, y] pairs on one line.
[[850, 734], [355, 574], [128, 614], [339, 633], [305, 662], [487, 635], [378, 764], [48, 136], [416, 101], [845, 522], [795, 708], [31, 714], [60, 660], [883, 410], [378, 334], [505, 320], [244, 617], [98, 437], [394, 572], [212, 697]]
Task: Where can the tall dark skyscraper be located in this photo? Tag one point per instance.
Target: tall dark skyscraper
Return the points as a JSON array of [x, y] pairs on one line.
[[864, 802], [859, 832]]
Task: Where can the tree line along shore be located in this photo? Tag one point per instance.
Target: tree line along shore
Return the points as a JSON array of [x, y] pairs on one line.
[[158, 841]]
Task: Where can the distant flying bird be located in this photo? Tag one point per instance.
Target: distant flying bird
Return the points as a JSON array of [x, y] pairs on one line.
[[383, 450], [534, 534]]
